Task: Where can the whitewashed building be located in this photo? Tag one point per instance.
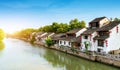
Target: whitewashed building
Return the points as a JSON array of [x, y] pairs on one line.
[[108, 38], [72, 38], [45, 36], [91, 32], [38, 36]]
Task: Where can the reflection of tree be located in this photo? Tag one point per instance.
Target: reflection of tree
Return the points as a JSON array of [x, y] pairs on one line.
[[2, 45], [58, 59]]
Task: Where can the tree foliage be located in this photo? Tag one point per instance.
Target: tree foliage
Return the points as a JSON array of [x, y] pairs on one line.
[[25, 33], [76, 24], [116, 19], [63, 27], [54, 27], [2, 34], [49, 41]]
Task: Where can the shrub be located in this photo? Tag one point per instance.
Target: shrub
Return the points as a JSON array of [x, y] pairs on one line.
[[49, 41]]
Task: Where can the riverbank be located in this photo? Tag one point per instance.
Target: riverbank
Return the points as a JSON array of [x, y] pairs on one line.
[[94, 58], [80, 54]]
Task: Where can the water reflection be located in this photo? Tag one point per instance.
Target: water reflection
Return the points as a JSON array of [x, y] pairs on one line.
[[19, 55], [2, 45], [68, 62]]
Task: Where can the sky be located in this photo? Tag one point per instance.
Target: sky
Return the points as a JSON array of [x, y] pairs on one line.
[[20, 14]]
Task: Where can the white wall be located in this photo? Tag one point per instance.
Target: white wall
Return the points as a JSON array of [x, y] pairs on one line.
[[66, 43], [104, 22], [104, 47], [114, 40], [92, 44], [80, 32]]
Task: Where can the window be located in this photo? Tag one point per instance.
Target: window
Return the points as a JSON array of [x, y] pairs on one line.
[[104, 33], [85, 37], [64, 42], [69, 43], [100, 43], [99, 50], [95, 24], [60, 42]]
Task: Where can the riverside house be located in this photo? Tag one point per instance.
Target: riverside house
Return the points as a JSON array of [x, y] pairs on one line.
[[38, 36], [45, 36], [107, 39], [56, 38], [91, 32], [72, 38]]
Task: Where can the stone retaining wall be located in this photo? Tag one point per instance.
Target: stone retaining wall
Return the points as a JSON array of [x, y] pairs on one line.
[[100, 59], [108, 61], [97, 58]]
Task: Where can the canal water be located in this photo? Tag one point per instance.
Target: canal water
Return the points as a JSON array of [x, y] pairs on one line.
[[19, 55]]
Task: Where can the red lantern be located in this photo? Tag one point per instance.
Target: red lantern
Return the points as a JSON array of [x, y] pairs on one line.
[[90, 37], [106, 43], [94, 40], [117, 29], [81, 38], [110, 32]]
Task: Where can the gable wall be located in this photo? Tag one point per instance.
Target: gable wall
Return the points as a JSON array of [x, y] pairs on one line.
[[114, 40], [104, 21]]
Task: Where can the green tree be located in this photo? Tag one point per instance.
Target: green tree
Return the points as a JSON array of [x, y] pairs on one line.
[[55, 26], [49, 41], [76, 24], [2, 45], [63, 28], [25, 33], [116, 19], [2, 34], [47, 28]]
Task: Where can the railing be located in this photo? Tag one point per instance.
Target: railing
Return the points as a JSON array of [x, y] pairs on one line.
[[111, 56]]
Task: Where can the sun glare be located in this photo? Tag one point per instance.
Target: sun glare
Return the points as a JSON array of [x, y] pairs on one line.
[[10, 29]]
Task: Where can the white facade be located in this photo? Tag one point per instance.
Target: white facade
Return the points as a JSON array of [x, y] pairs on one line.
[[91, 47], [104, 22], [43, 38], [113, 41], [68, 43], [80, 32], [64, 43]]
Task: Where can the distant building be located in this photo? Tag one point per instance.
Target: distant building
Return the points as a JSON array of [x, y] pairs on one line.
[[72, 38]]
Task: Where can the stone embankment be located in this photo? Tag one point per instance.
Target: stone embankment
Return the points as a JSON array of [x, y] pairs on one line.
[[97, 58]]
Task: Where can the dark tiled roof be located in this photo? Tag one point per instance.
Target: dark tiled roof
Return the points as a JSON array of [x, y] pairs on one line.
[[101, 37], [74, 30], [57, 36], [71, 39], [97, 19], [89, 31], [109, 26], [46, 35]]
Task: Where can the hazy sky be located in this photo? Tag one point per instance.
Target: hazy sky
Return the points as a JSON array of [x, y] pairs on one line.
[[17, 14]]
